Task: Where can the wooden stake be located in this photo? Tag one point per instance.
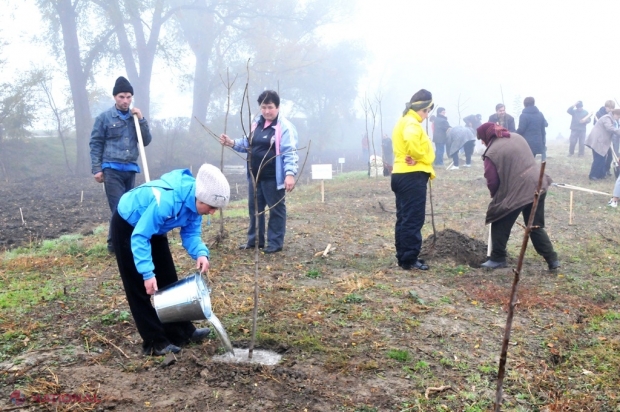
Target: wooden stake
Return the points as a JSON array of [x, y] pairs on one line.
[[489, 247], [82, 197], [326, 251], [322, 191], [20, 212], [570, 209], [237, 186]]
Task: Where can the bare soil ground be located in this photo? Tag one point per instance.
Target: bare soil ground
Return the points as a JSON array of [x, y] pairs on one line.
[[356, 332]]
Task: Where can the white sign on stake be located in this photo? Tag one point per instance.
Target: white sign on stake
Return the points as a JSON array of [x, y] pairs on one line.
[[341, 160], [322, 172]]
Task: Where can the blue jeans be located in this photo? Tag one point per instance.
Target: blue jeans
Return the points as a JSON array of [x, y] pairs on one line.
[[440, 149], [267, 194], [410, 191], [116, 185]]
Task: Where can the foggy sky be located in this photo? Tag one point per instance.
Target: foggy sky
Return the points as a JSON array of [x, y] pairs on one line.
[[555, 51]]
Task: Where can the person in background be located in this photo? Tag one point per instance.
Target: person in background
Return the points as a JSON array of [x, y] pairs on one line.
[[608, 107], [615, 141], [440, 136], [512, 176], [599, 140], [114, 146], [578, 124], [413, 167], [474, 121], [139, 226], [501, 118], [461, 137], [272, 148], [387, 154], [532, 126]]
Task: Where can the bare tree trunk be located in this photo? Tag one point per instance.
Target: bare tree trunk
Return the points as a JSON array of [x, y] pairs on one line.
[[77, 81]]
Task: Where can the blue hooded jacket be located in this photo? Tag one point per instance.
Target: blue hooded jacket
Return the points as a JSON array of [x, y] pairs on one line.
[[157, 207]]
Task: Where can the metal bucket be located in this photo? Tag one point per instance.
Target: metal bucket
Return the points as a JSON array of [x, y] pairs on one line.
[[184, 300]]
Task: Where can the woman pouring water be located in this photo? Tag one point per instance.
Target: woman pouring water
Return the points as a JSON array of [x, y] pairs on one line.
[[139, 226]]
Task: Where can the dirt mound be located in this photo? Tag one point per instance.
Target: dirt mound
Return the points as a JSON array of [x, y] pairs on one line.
[[456, 246]]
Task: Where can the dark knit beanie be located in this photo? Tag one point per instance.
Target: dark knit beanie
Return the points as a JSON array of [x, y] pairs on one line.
[[579, 104], [122, 85]]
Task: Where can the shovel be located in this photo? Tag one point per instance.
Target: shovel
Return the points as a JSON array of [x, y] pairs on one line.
[[147, 178]]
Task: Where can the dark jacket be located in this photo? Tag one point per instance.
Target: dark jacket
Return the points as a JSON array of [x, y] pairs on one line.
[[114, 139], [577, 115], [517, 172], [532, 126], [441, 128], [508, 123], [601, 112]]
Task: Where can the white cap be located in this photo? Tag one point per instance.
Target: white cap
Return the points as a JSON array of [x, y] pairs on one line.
[[212, 187]]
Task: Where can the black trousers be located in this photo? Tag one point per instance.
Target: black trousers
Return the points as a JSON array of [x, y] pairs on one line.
[[599, 169], [410, 191], [116, 184], [610, 157], [469, 150], [155, 335], [500, 232]]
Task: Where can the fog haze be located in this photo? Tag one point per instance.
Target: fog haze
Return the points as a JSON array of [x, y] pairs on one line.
[[479, 53]]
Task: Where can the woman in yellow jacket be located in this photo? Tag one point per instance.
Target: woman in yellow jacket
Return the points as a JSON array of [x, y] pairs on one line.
[[413, 167]]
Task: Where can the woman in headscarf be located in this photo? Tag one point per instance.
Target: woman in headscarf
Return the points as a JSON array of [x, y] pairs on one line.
[[413, 167], [512, 178]]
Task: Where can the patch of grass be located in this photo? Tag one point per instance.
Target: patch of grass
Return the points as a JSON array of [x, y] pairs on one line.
[[445, 299], [356, 175], [309, 342], [313, 274], [25, 291], [421, 365], [115, 317], [487, 369], [399, 355], [353, 298]]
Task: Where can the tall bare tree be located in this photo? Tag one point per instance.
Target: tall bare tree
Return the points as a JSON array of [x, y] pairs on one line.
[[73, 27]]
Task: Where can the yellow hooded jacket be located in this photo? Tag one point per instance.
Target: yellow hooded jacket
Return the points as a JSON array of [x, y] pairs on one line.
[[409, 138]]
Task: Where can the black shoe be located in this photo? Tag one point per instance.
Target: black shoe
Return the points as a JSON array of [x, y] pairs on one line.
[[110, 249], [160, 352], [554, 264], [200, 334], [245, 246], [272, 249], [491, 264], [595, 178], [419, 265]]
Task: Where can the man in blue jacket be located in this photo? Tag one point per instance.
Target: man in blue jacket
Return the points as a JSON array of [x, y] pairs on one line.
[[139, 226], [272, 163], [114, 146]]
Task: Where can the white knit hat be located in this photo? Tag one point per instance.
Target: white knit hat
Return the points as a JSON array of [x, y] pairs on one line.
[[212, 187]]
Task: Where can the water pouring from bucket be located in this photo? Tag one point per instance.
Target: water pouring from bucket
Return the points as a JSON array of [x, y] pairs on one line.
[[188, 299]]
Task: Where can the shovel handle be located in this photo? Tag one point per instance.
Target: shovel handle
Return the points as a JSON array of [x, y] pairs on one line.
[[147, 178]]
